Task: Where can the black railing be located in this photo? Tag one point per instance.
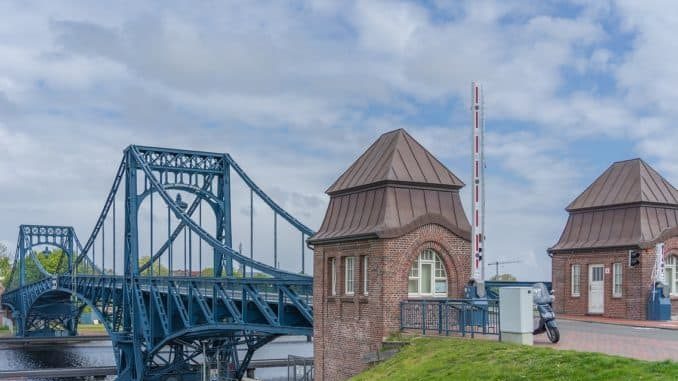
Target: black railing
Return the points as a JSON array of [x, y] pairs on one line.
[[445, 316]]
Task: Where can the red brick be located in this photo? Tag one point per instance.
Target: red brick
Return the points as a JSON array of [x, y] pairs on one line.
[[636, 281], [348, 327]]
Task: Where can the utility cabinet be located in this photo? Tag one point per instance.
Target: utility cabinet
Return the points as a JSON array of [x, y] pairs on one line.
[[659, 303], [515, 315]]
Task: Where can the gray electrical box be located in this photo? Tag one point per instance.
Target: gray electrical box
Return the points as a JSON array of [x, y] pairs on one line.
[[515, 315]]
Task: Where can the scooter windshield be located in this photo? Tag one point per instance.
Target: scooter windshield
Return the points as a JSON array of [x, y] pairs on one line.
[[540, 294]]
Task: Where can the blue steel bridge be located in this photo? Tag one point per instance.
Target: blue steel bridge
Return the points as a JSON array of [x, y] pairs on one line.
[[146, 276]]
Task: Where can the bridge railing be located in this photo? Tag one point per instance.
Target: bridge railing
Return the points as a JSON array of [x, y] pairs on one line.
[[445, 316], [270, 295]]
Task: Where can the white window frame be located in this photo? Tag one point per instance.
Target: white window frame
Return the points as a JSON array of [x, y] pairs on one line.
[[365, 275], [617, 284], [672, 267], [438, 274], [349, 275], [575, 280], [333, 269]]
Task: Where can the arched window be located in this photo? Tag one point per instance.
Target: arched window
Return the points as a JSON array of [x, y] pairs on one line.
[[427, 276], [671, 273]]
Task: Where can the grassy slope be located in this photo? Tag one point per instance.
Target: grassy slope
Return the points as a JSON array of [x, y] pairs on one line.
[[91, 329], [83, 329], [466, 359]]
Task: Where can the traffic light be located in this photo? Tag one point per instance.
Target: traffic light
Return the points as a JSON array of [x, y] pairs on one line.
[[634, 258]]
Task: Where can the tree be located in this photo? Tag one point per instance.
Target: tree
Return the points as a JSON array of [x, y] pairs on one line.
[[5, 264], [504, 277], [158, 269], [54, 262]]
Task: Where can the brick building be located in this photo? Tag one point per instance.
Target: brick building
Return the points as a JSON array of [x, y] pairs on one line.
[[629, 207], [394, 229]]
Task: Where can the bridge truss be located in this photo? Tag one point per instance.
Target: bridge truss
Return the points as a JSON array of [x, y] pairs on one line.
[[164, 278]]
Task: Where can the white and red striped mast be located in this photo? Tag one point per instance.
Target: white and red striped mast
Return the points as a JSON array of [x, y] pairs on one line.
[[478, 186]]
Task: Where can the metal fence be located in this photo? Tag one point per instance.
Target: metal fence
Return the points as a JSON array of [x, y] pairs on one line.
[[445, 316], [299, 368]]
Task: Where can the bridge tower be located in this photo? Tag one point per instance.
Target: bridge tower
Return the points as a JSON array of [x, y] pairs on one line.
[[394, 229], [56, 314]]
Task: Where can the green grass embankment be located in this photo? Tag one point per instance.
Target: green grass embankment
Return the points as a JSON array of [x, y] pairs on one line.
[[466, 359]]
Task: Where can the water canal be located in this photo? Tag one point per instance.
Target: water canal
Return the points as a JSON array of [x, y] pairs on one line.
[[101, 354]]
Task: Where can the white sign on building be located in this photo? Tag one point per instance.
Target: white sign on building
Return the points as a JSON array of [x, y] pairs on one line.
[[659, 263]]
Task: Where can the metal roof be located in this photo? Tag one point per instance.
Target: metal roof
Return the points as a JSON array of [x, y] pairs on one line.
[[393, 188], [391, 211], [618, 227], [629, 205], [627, 182], [395, 157]]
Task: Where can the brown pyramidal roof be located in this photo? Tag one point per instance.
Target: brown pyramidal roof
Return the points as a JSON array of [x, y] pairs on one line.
[[395, 157], [629, 205], [393, 188], [627, 182]]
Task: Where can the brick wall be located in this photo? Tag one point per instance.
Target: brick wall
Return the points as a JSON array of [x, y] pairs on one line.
[[343, 326], [348, 327], [636, 282]]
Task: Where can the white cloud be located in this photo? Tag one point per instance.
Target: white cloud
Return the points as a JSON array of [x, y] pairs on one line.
[[295, 93]]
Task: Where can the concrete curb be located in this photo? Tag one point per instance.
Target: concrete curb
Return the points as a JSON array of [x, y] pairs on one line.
[[672, 325]]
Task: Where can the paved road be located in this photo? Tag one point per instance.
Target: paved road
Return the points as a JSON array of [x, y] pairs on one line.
[[640, 343]]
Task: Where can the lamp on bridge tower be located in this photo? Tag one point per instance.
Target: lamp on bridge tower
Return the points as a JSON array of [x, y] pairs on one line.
[[180, 203]]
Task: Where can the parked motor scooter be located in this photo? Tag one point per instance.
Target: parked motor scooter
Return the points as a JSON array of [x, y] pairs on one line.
[[547, 318]]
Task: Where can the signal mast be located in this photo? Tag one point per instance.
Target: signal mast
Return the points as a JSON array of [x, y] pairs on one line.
[[478, 191]]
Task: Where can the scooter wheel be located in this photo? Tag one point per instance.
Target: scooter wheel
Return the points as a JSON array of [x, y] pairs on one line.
[[553, 334]]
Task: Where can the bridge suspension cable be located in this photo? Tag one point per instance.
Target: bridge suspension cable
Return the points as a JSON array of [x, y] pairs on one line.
[[198, 230]]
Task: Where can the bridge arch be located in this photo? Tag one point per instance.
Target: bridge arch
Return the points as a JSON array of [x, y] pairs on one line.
[[216, 330], [68, 252], [204, 195], [193, 210], [67, 292], [8, 305]]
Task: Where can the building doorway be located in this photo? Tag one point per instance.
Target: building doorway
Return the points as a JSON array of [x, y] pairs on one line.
[[596, 289]]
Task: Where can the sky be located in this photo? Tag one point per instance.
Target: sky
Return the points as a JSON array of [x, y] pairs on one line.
[[295, 91]]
